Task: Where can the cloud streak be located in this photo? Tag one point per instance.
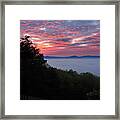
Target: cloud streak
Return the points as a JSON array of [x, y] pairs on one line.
[[64, 37]]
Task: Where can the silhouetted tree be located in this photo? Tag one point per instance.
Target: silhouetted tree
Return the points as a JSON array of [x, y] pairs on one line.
[[30, 61]]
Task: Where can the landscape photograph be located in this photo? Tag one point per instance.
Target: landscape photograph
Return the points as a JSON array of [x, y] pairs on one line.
[[59, 59]]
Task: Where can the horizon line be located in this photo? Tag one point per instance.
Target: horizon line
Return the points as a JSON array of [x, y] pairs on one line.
[[73, 56]]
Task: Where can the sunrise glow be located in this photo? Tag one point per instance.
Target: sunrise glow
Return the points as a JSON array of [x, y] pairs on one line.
[[64, 37]]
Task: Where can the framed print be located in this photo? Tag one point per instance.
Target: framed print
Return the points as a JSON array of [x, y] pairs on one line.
[[60, 59]]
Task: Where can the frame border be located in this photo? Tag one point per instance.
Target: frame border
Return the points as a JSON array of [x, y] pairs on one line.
[[55, 2]]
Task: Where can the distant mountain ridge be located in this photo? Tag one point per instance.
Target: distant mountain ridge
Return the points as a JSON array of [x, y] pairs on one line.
[[55, 57]]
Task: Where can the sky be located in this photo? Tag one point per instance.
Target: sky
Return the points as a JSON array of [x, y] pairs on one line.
[[63, 37]]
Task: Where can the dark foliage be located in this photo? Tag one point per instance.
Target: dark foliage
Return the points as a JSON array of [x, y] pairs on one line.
[[39, 81]]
